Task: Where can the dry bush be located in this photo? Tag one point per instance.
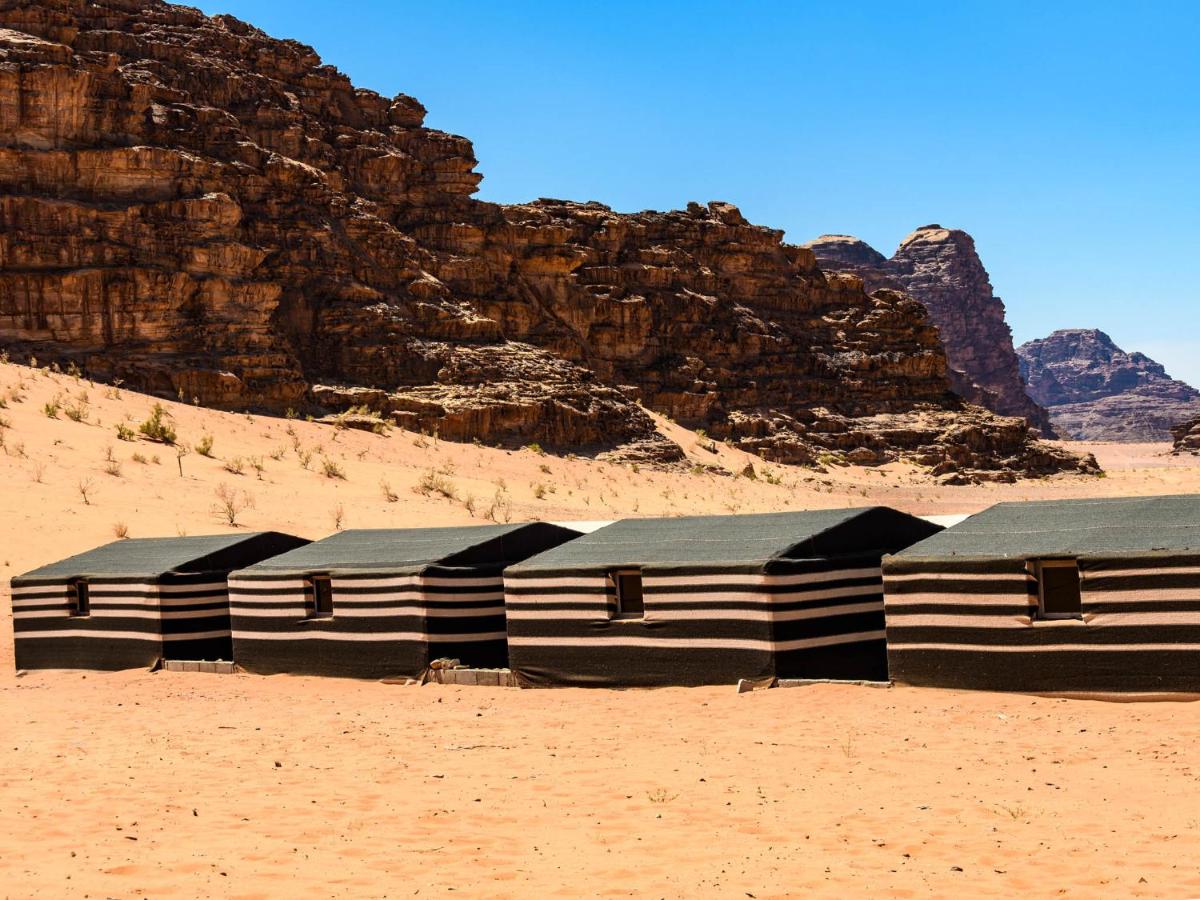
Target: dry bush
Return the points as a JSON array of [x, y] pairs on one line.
[[51, 407], [230, 504], [235, 465], [39, 469], [87, 488], [331, 469], [339, 517], [205, 446], [436, 483], [140, 458], [501, 509], [125, 433], [388, 494], [113, 468], [78, 410], [121, 530]]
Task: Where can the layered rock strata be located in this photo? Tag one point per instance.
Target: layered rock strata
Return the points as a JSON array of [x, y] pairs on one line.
[[1096, 391], [941, 268], [196, 208]]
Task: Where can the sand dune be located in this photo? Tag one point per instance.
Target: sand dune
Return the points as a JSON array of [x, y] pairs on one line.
[[171, 784]]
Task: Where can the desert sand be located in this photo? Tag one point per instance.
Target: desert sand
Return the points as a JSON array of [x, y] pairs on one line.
[[183, 784]]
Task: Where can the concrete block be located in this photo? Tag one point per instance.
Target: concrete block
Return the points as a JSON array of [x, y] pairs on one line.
[[466, 676], [489, 677]]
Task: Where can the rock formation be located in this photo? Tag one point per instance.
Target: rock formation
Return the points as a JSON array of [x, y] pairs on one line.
[[940, 267], [1186, 437], [199, 209], [1096, 391]]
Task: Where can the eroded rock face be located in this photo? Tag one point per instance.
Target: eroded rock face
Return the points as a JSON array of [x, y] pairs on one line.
[[1186, 436], [941, 268], [1096, 391], [196, 208]]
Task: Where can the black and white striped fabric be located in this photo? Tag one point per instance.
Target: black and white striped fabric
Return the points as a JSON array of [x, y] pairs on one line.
[[402, 597], [962, 606], [973, 624], [149, 599], [385, 623], [132, 622], [702, 624]]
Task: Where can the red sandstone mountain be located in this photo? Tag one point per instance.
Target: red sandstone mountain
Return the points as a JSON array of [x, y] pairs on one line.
[[941, 268], [202, 210], [1095, 391]]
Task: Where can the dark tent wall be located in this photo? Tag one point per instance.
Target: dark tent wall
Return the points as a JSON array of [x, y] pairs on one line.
[[726, 597], [963, 611], [148, 599], [400, 599]]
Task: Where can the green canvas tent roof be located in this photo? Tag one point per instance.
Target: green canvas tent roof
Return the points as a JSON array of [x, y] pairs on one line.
[[713, 539], [392, 549], [156, 556], [1070, 528]]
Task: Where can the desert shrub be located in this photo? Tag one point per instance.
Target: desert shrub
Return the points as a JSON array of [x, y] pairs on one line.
[[230, 504], [535, 448], [125, 433], [388, 494], [434, 482], [157, 428], [120, 530], [205, 446], [235, 465], [51, 407], [330, 469]]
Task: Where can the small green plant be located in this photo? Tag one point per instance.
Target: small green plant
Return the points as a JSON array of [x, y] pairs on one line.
[[305, 457], [157, 428], [256, 463], [330, 469], [205, 446], [534, 448], [51, 407], [125, 433]]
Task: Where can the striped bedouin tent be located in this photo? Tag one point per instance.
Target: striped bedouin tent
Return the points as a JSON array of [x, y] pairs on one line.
[[134, 602], [1072, 595], [709, 599], [380, 603]]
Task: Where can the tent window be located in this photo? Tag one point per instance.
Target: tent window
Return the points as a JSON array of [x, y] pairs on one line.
[[630, 604], [79, 598], [1058, 589], [320, 596]]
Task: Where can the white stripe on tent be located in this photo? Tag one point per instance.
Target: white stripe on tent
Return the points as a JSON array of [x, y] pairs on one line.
[[704, 615], [1050, 648], [944, 597], [955, 576], [311, 634], [95, 633], [197, 635], [373, 612], [610, 640]]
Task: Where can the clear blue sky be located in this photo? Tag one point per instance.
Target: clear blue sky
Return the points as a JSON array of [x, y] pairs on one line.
[[1064, 136]]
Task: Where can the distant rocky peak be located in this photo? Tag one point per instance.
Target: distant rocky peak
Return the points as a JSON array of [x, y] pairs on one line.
[[1096, 391], [941, 268]]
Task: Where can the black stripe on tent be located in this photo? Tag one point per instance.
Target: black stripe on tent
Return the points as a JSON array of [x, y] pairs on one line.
[[605, 665], [899, 608], [1099, 669], [1040, 635], [87, 623], [971, 587]]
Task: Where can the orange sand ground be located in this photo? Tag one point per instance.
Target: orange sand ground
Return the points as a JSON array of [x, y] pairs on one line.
[[172, 784]]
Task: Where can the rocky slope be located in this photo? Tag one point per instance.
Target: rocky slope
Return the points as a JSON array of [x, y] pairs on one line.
[[1096, 391], [941, 268], [198, 209]]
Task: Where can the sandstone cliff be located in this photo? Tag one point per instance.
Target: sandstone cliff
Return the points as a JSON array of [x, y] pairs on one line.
[[1096, 391], [1186, 436], [199, 209], [941, 268]]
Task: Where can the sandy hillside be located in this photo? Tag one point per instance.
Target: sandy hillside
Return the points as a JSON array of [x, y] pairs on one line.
[[133, 784]]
